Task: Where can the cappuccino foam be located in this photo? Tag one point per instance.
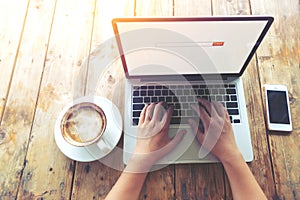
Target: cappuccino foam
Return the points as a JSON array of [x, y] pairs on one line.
[[84, 124]]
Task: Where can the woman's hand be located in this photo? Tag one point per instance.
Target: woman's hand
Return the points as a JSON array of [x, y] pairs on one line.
[[217, 136], [153, 142]]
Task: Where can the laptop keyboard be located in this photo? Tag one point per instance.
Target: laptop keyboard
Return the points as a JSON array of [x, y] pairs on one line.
[[181, 97]]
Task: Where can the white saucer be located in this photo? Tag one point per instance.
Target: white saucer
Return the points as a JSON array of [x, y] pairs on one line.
[[111, 135]]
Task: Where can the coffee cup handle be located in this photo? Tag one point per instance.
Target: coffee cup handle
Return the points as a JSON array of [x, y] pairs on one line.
[[103, 146]]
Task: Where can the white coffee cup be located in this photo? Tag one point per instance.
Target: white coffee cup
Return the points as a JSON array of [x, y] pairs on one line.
[[83, 125]]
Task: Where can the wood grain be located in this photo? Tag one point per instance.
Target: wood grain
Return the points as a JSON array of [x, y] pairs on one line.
[[48, 173], [279, 61], [232, 7], [154, 8], [94, 180], [11, 27], [20, 107], [159, 184], [261, 165], [57, 50], [198, 181], [192, 8]]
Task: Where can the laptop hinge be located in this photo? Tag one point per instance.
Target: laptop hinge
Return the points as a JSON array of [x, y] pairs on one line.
[[190, 78]]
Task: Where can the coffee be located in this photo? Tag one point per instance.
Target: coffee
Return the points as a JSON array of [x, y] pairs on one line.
[[83, 124]]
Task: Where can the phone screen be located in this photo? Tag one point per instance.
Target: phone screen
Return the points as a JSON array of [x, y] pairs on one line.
[[278, 108]]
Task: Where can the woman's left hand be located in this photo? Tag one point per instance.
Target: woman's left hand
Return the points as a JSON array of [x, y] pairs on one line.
[[153, 142]]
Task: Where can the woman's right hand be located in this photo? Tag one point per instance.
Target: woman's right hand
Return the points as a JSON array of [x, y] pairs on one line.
[[216, 135]]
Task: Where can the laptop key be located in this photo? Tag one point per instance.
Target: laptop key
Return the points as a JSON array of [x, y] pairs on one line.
[[185, 105], [150, 93], [157, 92], [186, 92], [179, 92], [177, 106], [179, 120], [136, 113], [154, 99], [236, 121], [233, 98], [168, 99], [137, 100], [231, 104], [175, 120], [183, 99], [136, 93], [165, 92], [219, 98], [147, 100], [135, 121], [230, 91], [200, 92], [214, 91], [190, 113], [221, 91], [233, 111], [206, 91], [175, 99], [161, 99], [226, 98], [191, 99], [138, 106]]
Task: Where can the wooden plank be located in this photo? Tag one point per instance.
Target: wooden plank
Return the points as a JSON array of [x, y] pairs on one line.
[[159, 184], [192, 8], [48, 173], [154, 8], [233, 7], [278, 62], [199, 181], [261, 165], [21, 102], [11, 25], [194, 181], [94, 180]]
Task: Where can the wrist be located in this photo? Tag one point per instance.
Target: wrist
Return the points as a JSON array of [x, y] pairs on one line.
[[139, 164], [233, 158]]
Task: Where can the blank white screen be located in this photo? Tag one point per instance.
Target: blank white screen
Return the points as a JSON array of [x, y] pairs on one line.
[[205, 47]]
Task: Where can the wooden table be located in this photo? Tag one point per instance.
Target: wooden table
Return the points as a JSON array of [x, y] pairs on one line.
[[51, 52]]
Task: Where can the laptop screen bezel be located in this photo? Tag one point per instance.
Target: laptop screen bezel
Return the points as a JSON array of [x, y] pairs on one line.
[[191, 77]]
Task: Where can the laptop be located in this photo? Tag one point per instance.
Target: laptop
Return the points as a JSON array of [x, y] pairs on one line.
[[180, 59]]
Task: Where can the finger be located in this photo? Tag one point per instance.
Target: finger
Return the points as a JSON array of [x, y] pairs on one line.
[[206, 105], [158, 111], [202, 114], [166, 119], [142, 115], [149, 112], [218, 108], [195, 129]]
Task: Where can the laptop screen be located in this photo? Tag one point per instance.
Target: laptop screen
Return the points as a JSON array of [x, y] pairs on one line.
[[188, 46]]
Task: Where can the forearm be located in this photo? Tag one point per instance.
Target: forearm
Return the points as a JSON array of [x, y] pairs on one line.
[[128, 186], [130, 183], [242, 181]]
